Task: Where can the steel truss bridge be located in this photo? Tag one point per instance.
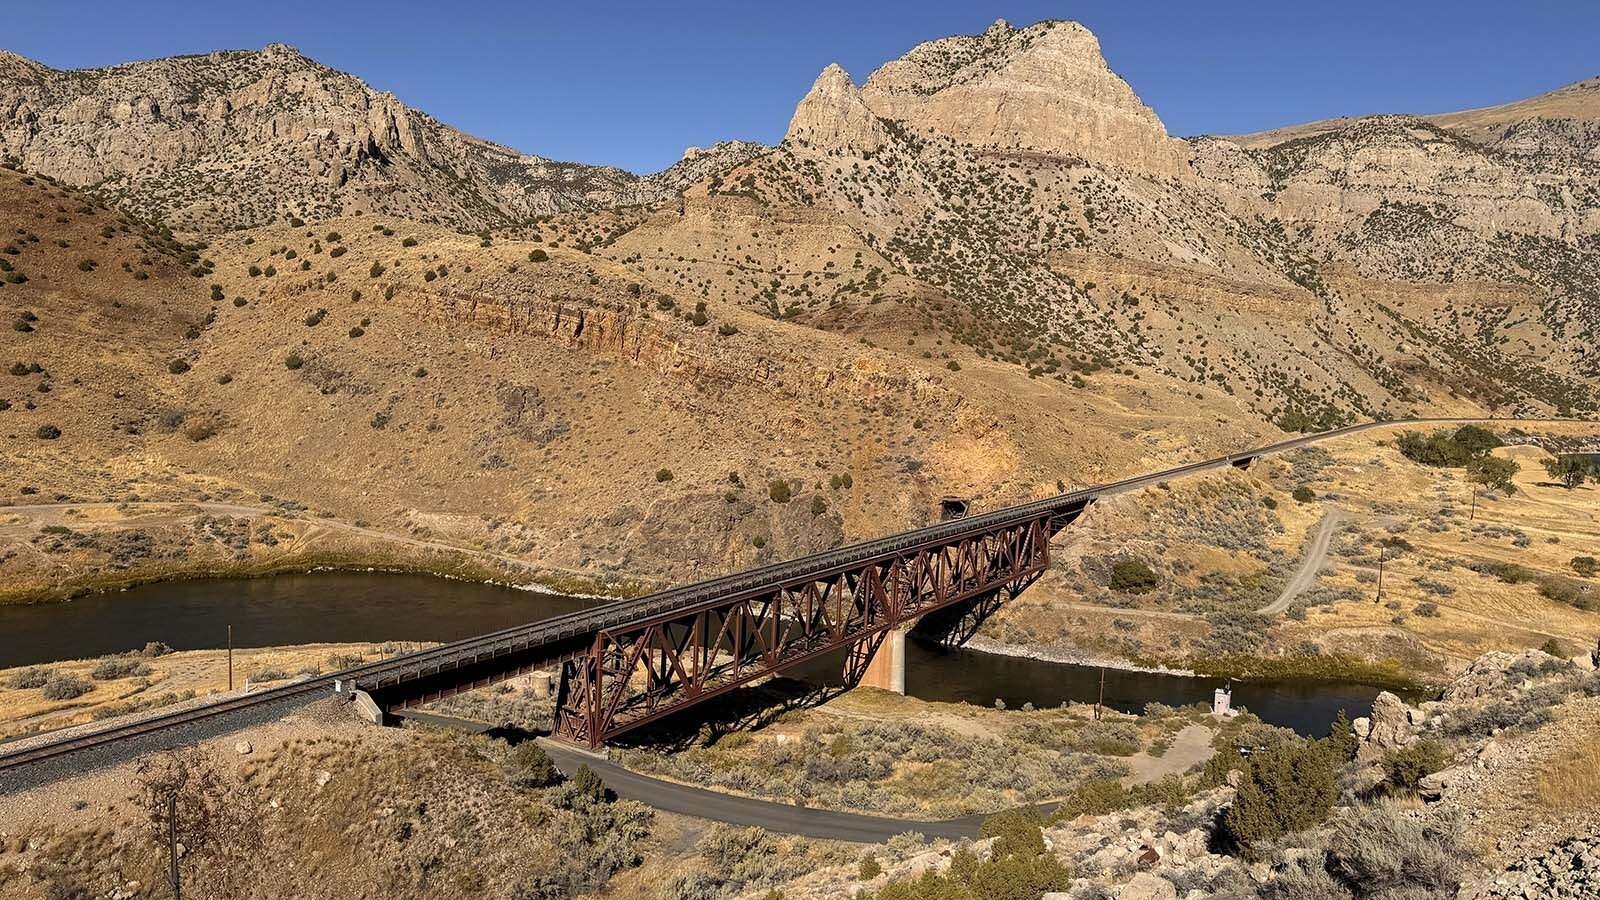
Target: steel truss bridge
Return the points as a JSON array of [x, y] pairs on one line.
[[628, 663]]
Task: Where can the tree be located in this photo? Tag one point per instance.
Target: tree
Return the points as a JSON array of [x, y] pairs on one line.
[[1287, 789], [1341, 741], [1303, 494], [1569, 470], [1494, 472]]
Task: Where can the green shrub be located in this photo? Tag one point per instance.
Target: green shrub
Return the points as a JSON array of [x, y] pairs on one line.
[[588, 786], [1585, 566], [1405, 767], [537, 256], [870, 868], [1287, 789], [376, 270], [818, 505], [529, 766], [47, 432], [1304, 494], [294, 361], [780, 492], [177, 367], [663, 475], [1133, 576]]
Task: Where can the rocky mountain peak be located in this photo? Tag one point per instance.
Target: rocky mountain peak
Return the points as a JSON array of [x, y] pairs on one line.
[[832, 115], [245, 137], [1045, 87]]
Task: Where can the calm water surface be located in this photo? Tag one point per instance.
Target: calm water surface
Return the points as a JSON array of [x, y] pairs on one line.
[[364, 606]]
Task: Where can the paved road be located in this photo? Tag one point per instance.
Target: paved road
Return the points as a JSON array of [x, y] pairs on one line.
[[687, 800], [1310, 567]]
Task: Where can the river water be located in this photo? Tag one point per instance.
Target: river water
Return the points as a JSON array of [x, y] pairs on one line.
[[339, 607]]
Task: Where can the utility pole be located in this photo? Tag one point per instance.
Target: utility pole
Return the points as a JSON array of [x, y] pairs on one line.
[[172, 846], [1100, 702], [1383, 550], [1474, 515], [230, 658]]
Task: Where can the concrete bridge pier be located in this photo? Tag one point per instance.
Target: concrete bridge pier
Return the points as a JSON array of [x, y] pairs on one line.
[[887, 668]]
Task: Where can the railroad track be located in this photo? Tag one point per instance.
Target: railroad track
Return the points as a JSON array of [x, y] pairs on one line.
[[673, 600]]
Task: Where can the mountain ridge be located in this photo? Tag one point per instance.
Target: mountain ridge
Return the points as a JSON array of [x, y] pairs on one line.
[[237, 138]]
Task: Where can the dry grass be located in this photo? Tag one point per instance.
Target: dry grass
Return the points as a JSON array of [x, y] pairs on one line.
[[1570, 783], [172, 678]]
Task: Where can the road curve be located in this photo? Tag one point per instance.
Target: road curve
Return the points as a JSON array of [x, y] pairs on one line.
[[573, 624], [731, 809], [1306, 575]]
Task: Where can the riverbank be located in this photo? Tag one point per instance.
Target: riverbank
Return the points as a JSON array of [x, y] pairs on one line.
[[63, 551], [1342, 668], [465, 569]]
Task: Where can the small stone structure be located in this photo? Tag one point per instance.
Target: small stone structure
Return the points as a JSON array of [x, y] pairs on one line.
[[1222, 703]]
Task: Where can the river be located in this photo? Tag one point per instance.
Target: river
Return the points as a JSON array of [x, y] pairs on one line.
[[350, 607]]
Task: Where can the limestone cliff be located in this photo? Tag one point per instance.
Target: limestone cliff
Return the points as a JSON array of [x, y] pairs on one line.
[[1046, 87], [241, 138]]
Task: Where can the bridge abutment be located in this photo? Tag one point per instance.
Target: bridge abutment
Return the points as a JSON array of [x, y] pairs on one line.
[[887, 668]]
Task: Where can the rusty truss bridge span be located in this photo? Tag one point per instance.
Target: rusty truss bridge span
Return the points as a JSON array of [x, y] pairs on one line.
[[628, 663]]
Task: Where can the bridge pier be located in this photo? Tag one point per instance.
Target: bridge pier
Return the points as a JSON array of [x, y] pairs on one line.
[[887, 668]]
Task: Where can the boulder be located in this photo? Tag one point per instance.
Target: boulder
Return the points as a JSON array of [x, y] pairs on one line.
[[1486, 675], [1432, 787], [243, 748], [1391, 725], [1362, 727], [1145, 886]]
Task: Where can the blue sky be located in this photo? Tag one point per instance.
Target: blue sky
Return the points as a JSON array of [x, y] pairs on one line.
[[633, 83]]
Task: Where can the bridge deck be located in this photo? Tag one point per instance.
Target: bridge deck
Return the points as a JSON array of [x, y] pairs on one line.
[[565, 629]]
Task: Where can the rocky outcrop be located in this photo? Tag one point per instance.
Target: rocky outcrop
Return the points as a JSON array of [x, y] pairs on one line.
[[1046, 87], [245, 137], [1568, 871], [832, 115], [1387, 729]]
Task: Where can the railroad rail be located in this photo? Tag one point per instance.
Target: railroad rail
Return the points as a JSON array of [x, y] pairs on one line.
[[600, 698]]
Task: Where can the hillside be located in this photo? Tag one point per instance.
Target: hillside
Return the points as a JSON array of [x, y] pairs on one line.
[[409, 380], [239, 138], [760, 353]]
